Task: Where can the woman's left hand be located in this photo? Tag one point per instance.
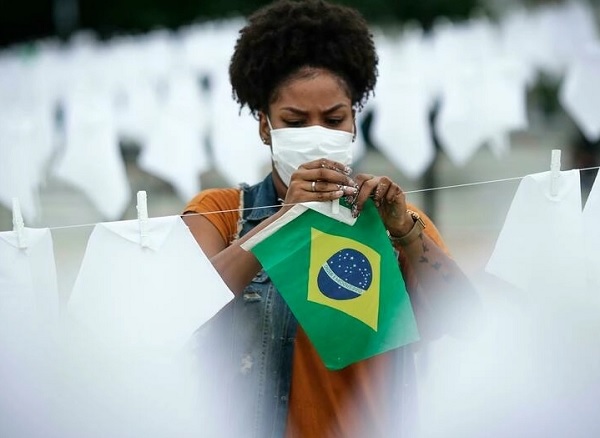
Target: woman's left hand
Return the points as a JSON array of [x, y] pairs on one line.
[[389, 199], [449, 303]]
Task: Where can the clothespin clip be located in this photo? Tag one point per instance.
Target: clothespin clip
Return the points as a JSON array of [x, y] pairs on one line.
[[554, 172], [18, 224], [142, 210], [335, 206]]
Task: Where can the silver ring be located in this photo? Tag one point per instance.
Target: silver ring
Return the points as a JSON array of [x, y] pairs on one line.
[[313, 185]]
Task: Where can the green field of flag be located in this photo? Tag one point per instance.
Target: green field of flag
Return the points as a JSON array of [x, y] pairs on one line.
[[343, 284]]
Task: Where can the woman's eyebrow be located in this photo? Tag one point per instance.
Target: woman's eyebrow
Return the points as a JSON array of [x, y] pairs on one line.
[[294, 110], [334, 108], [302, 112]]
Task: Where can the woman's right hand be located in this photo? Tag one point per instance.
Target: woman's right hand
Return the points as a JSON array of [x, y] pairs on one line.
[[320, 180]]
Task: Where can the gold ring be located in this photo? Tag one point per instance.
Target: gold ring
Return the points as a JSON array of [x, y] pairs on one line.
[[313, 186]]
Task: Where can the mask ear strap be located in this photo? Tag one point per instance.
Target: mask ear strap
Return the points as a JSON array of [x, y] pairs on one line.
[[269, 122]]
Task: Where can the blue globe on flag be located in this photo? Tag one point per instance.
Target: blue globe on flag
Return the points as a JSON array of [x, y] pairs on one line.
[[345, 275]]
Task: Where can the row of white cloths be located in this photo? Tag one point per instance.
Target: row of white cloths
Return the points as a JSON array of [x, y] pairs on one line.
[[125, 294], [549, 244], [541, 348], [146, 89]]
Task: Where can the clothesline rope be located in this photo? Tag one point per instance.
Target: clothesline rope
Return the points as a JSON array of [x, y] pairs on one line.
[[454, 186]]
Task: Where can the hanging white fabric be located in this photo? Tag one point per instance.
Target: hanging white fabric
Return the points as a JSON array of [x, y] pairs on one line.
[[482, 94], [540, 247], [92, 160], [400, 127], [237, 149], [26, 130], [176, 150], [580, 92], [591, 224], [28, 289], [145, 297]]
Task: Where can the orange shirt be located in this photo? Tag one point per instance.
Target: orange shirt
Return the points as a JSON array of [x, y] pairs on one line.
[[323, 403]]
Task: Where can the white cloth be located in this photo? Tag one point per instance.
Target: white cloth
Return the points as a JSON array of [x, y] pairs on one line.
[[565, 29], [28, 288], [483, 93], [400, 126], [540, 246], [580, 92], [541, 250], [591, 224], [237, 149], [175, 150], [26, 131], [17, 178], [520, 39], [479, 108], [135, 89], [152, 297], [92, 160]]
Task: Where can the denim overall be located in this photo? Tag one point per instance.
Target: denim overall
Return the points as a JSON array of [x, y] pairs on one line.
[[251, 344]]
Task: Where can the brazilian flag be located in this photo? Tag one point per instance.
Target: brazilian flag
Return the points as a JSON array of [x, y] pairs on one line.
[[342, 282]]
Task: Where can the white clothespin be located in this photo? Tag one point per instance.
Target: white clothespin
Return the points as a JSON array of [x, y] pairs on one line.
[[554, 172], [335, 206], [142, 210], [18, 224]]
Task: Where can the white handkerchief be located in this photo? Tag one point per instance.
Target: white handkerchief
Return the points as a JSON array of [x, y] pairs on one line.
[[591, 228], [332, 209], [540, 247], [402, 132], [483, 89], [26, 131], [151, 297], [92, 160], [28, 288], [238, 151], [175, 150], [17, 168], [327, 208], [481, 104], [580, 93]]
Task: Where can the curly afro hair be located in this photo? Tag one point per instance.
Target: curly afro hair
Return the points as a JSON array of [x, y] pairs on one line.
[[287, 35]]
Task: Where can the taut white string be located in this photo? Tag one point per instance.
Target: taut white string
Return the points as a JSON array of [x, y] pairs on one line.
[[408, 192]]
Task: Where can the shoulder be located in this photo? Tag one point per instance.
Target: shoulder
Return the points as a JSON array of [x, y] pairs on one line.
[[220, 208], [430, 228], [221, 199]]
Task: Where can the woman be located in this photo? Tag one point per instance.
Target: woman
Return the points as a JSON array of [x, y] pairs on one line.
[[304, 69]]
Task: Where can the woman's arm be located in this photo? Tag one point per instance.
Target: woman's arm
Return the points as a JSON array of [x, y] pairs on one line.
[[445, 297], [444, 294], [236, 266]]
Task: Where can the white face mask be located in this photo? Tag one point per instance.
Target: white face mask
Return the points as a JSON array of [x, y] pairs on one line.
[[292, 147]]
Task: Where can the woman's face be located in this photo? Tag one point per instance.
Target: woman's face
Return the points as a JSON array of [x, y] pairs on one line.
[[314, 96]]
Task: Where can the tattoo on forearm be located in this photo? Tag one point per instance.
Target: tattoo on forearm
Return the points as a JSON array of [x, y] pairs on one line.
[[424, 245], [447, 276], [436, 265]]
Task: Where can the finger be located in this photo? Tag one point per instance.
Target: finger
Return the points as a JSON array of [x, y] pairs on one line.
[[325, 175], [324, 186], [328, 196], [366, 189], [324, 163], [394, 195], [362, 177], [381, 190], [310, 196]]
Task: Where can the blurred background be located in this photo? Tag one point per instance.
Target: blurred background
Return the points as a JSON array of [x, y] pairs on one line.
[[101, 99]]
